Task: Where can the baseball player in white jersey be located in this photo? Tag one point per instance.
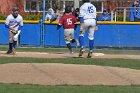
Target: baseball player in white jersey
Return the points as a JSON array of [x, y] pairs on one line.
[[87, 22], [14, 22]]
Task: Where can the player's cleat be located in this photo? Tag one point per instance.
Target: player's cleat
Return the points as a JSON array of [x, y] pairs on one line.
[[71, 52], [9, 52], [77, 43], [89, 55], [81, 52], [14, 51]]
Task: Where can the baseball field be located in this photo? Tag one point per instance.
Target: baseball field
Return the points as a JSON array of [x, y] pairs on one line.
[[54, 70]]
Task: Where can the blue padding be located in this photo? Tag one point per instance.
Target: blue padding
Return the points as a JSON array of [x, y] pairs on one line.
[[30, 35], [4, 34], [118, 35], [52, 36], [113, 35], [7, 26]]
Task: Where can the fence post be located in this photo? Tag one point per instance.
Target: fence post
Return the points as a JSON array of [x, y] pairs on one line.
[[64, 5], [115, 16], [124, 15], [112, 15], [43, 23]]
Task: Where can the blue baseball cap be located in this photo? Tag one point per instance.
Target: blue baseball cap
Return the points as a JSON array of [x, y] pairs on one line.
[[105, 10], [15, 8], [136, 0]]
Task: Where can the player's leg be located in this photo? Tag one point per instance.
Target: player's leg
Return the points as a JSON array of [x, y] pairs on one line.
[[15, 41], [14, 44], [11, 35], [68, 39], [91, 41], [14, 47], [91, 24], [73, 40], [10, 48], [81, 40]]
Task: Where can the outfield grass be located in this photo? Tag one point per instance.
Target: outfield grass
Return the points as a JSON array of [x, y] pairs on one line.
[[16, 88], [65, 50], [124, 63]]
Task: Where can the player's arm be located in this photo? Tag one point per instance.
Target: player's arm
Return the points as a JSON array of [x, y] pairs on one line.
[[60, 23], [95, 13], [7, 22], [8, 26], [21, 24], [96, 27], [81, 16]]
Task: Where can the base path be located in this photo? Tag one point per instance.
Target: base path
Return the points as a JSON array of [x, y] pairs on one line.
[[67, 55]]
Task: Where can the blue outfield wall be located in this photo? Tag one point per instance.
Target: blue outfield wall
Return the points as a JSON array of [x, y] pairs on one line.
[[4, 34], [30, 35], [54, 37], [118, 35], [110, 34]]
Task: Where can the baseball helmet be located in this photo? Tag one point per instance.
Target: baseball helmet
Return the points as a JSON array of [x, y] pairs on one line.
[[77, 10], [15, 8], [85, 1], [67, 9]]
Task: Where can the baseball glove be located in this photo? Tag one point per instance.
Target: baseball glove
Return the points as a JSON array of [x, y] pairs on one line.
[[58, 27], [14, 31]]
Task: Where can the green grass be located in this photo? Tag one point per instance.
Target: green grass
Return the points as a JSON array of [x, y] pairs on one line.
[[16, 88], [124, 63], [65, 50]]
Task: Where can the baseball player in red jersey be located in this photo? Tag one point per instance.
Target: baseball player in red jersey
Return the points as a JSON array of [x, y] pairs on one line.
[[68, 21]]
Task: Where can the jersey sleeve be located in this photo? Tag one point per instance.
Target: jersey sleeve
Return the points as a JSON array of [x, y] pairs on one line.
[[95, 12], [82, 12], [21, 22], [7, 20]]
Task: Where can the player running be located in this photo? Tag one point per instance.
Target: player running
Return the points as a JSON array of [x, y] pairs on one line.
[[68, 21], [14, 22], [87, 22]]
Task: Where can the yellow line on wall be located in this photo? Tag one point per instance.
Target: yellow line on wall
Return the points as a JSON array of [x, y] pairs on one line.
[[119, 22], [99, 22]]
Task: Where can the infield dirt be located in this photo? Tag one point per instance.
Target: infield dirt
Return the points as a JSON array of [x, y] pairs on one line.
[[70, 74]]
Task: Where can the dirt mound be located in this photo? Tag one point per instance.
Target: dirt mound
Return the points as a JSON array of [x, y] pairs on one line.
[[59, 74]]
